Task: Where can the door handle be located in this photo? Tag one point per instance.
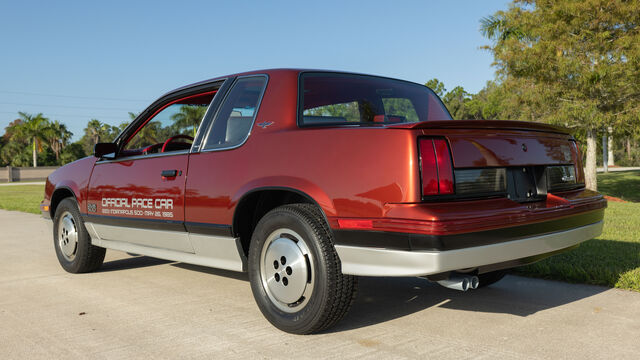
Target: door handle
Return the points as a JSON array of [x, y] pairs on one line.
[[169, 173]]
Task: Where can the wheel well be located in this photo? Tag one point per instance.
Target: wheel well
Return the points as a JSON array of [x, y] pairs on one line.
[[255, 205], [57, 196]]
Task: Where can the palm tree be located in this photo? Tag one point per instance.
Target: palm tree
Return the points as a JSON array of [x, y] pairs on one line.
[[148, 135], [34, 130], [189, 116], [498, 27], [93, 130], [58, 137]]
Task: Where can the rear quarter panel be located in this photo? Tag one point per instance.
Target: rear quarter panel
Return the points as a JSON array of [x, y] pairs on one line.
[[351, 172]]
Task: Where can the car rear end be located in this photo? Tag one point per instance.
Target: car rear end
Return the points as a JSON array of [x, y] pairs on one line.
[[491, 194]]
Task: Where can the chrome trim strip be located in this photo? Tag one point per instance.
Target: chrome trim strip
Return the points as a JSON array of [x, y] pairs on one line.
[[201, 133], [138, 157], [384, 262], [255, 116]]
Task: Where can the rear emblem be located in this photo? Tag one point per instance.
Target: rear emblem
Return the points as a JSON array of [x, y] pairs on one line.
[[524, 147], [265, 124]]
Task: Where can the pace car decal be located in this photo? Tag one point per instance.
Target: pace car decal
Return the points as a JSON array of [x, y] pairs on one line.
[[159, 207]]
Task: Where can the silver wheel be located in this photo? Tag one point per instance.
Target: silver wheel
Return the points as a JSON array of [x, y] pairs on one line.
[[67, 236], [286, 270]]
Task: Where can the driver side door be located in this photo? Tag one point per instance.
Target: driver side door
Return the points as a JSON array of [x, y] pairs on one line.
[[138, 197]]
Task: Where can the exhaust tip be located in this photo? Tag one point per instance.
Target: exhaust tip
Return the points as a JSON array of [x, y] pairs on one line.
[[465, 284], [457, 283], [474, 282]]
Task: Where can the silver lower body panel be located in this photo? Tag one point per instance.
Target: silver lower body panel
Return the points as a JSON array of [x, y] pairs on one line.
[[220, 252], [367, 261]]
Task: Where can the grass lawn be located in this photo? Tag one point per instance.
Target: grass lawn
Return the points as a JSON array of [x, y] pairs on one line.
[[24, 198], [613, 259]]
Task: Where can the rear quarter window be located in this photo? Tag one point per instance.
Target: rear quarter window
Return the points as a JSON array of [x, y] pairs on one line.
[[234, 120]]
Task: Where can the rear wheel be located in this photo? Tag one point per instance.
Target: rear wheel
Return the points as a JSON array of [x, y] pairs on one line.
[[489, 278], [72, 242], [295, 273]]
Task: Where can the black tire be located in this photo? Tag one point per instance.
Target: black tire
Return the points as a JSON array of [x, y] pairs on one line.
[[325, 295], [83, 257], [489, 278]]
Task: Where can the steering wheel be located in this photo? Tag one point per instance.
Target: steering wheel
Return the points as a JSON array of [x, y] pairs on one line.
[[150, 148], [164, 146]]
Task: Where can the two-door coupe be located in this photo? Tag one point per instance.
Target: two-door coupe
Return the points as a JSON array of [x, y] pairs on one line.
[[307, 179]]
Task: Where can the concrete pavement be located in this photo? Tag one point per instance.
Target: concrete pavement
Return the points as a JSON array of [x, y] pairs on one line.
[[139, 307]]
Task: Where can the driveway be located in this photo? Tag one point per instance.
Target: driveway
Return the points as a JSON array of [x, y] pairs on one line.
[[139, 307]]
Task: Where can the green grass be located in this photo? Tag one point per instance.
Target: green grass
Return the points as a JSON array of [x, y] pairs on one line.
[[612, 259], [24, 198], [621, 184]]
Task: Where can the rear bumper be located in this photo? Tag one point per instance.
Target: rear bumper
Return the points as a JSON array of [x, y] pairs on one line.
[[370, 261]]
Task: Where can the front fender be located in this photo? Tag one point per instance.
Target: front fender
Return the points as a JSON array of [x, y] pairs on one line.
[[73, 177]]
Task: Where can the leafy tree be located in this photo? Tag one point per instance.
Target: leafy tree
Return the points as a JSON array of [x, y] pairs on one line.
[[437, 86], [96, 132], [72, 152], [33, 129], [456, 101], [58, 137], [188, 118], [573, 62], [15, 153], [151, 133]]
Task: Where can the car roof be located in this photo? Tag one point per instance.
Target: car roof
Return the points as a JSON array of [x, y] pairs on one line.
[[274, 71]]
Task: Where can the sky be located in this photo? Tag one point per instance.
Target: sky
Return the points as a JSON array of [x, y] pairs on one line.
[[78, 60]]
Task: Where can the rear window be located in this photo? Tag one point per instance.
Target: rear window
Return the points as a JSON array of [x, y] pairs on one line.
[[345, 99]]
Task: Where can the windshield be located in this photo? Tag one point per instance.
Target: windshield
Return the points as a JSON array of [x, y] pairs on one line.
[[347, 99]]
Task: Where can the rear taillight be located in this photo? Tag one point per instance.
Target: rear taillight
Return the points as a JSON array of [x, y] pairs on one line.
[[436, 167], [576, 158]]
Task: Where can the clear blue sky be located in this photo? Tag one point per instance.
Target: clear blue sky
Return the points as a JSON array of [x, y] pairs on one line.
[[77, 60]]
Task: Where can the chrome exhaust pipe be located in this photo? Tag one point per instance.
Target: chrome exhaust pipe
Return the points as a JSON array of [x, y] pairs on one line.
[[474, 282], [460, 282]]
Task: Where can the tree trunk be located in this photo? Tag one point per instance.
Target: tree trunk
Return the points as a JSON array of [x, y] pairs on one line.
[[628, 148], [56, 147], [605, 162], [590, 168], [35, 153], [610, 148]]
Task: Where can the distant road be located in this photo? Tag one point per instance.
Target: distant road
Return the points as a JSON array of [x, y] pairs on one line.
[[23, 183], [601, 169], [139, 307]]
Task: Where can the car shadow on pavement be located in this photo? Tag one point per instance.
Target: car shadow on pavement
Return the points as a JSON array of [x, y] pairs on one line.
[[213, 271], [383, 299], [133, 262]]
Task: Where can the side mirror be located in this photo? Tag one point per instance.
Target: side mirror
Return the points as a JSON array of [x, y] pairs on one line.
[[105, 150]]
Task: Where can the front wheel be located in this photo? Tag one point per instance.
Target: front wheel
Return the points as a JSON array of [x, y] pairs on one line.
[[72, 241], [295, 273]]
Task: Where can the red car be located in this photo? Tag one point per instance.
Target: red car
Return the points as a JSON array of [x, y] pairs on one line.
[[306, 179]]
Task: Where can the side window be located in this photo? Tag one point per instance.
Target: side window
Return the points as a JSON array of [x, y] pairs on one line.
[[237, 113], [172, 128]]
